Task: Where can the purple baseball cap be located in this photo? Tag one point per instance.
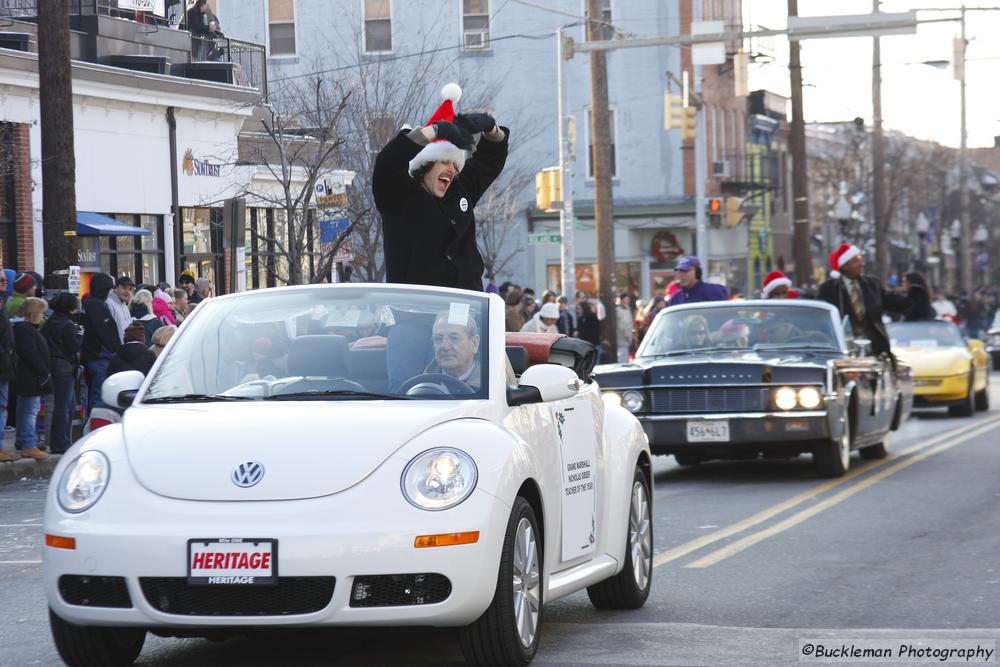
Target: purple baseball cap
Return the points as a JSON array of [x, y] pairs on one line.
[[687, 262]]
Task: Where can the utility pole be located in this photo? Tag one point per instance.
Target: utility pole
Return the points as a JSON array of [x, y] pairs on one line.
[[603, 215], [878, 161], [55, 88], [964, 259], [567, 135], [800, 182]]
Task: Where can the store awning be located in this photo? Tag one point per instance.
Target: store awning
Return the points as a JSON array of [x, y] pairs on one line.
[[89, 223]]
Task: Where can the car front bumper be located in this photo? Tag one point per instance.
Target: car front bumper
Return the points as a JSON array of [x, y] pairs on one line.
[[134, 534], [748, 432], [940, 391]]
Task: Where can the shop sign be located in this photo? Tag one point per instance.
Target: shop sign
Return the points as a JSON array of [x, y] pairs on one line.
[[155, 6], [665, 247], [194, 167], [327, 197], [88, 253]]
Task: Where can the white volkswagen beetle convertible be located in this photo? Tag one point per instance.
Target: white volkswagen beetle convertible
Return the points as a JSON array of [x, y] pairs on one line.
[[348, 455]]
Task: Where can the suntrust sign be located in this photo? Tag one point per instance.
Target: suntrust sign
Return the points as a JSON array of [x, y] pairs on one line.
[[195, 167]]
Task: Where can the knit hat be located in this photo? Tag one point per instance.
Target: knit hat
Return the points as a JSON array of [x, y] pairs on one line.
[[549, 311], [442, 150], [187, 276], [842, 255], [135, 333], [773, 281], [24, 282]]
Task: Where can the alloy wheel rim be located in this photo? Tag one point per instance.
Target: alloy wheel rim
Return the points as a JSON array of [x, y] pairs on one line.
[[640, 536], [527, 583]]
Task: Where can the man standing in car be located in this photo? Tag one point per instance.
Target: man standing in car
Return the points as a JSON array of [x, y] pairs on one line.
[[693, 288]]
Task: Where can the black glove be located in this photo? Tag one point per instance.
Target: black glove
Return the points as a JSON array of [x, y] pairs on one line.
[[472, 123], [452, 133]]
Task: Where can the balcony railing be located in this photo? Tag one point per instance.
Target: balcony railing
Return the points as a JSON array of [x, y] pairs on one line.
[[749, 171], [249, 60]]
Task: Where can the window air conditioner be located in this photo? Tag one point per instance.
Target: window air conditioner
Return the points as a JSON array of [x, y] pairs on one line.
[[474, 40], [720, 169]]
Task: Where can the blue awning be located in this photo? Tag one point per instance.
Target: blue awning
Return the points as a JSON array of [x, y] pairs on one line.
[[89, 223]]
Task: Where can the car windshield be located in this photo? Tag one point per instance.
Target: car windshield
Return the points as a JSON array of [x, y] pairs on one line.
[[925, 334], [328, 343], [690, 330]]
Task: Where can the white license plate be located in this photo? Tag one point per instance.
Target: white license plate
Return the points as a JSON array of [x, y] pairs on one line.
[[717, 431], [232, 561]]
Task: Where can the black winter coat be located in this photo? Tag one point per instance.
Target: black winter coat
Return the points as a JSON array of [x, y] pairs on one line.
[[877, 302], [64, 344], [431, 241], [588, 328], [6, 347], [33, 374], [132, 357], [919, 307], [100, 333]]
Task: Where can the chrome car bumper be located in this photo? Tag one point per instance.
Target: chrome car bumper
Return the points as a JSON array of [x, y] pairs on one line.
[[748, 432]]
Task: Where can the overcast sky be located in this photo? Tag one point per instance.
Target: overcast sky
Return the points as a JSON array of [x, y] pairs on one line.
[[916, 99]]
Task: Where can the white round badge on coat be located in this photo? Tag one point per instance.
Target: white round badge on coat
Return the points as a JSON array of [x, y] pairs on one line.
[[463, 204]]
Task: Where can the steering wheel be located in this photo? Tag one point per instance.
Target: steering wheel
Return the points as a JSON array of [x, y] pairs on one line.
[[452, 384]]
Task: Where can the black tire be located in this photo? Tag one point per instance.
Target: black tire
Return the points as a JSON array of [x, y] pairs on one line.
[[687, 459], [829, 459], [872, 452], [629, 588], [494, 638], [983, 399], [92, 646], [968, 406]]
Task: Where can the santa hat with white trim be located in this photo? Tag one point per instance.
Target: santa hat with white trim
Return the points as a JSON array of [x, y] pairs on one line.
[[442, 150], [773, 281], [842, 255]]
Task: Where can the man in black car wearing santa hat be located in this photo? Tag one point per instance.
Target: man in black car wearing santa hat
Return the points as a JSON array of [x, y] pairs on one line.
[[426, 186]]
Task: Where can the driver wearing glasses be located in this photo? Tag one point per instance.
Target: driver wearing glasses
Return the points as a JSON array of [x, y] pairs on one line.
[[456, 350]]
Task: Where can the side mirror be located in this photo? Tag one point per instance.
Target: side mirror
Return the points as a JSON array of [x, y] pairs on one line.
[[119, 390], [552, 381], [863, 346]]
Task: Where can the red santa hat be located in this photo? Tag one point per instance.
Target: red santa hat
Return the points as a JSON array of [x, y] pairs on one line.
[[842, 255], [442, 150], [773, 281]]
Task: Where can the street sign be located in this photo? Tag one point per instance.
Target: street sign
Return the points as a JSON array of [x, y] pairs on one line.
[[710, 53], [330, 229], [544, 239]]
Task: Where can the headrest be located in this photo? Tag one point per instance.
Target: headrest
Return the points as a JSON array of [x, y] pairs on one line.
[[519, 360], [318, 356]]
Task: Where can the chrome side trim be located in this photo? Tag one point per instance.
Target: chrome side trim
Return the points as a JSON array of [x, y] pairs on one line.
[[802, 414]]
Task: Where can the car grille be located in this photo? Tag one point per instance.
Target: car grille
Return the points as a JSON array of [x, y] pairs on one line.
[[291, 595], [395, 590], [710, 399], [89, 591]]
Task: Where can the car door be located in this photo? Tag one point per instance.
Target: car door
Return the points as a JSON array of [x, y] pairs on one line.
[[869, 376]]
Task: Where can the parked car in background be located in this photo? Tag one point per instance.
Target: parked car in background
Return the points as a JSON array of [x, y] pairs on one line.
[[741, 380], [993, 341], [949, 370]]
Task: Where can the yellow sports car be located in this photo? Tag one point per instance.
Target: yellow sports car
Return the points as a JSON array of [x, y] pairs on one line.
[[948, 370]]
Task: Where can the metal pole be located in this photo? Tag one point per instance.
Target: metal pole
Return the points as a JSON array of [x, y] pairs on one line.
[[878, 162], [700, 173], [964, 260], [567, 255]]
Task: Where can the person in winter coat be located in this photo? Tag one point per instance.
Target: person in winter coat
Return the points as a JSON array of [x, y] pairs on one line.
[[565, 324], [101, 340], [693, 288], [6, 364], [161, 306], [544, 321], [588, 327], [919, 294], [24, 286], [63, 338], [512, 313], [179, 306], [625, 319], [32, 374], [134, 355], [142, 310], [161, 337], [426, 193]]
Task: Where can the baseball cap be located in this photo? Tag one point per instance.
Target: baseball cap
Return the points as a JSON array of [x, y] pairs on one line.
[[687, 262], [125, 280]]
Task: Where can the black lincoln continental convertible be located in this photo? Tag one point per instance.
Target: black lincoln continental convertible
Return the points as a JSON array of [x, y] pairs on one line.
[[745, 379]]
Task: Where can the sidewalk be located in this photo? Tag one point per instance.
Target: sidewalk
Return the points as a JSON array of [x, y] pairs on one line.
[[25, 468]]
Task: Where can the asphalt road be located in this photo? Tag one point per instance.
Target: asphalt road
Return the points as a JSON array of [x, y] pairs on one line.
[[752, 560]]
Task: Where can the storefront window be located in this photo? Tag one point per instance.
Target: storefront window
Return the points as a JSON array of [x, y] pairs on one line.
[[202, 244], [197, 231], [626, 277], [139, 257]]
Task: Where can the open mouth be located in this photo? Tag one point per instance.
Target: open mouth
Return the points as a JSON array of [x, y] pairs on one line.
[[444, 181]]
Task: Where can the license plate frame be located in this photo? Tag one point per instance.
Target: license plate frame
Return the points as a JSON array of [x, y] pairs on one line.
[[228, 577], [715, 430]]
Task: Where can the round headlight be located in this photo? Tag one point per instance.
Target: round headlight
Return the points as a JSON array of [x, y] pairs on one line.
[[612, 398], [632, 400], [809, 397], [439, 478], [785, 398], [83, 481]]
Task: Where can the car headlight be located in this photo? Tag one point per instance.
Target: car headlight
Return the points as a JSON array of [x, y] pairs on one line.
[[785, 398], [809, 397], [439, 478], [632, 400], [83, 481]]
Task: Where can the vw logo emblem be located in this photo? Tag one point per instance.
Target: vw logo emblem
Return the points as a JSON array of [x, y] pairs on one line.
[[247, 474]]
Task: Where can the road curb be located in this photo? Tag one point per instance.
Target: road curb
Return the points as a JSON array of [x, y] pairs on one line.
[[28, 469]]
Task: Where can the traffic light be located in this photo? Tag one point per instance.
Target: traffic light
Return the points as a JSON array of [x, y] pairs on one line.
[[689, 130], [714, 206], [548, 189], [734, 211], [676, 116]]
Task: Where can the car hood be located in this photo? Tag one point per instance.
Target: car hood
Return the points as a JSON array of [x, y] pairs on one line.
[[719, 367], [935, 362], [307, 449]]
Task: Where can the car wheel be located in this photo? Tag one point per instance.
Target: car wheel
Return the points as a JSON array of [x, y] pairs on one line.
[[968, 406], [629, 588], [687, 459], [833, 458], [508, 631], [983, 398], [876, 451], [92, 646]]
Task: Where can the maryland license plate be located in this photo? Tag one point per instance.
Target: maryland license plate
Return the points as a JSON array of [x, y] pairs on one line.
[[708, 431], [227, 561]]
